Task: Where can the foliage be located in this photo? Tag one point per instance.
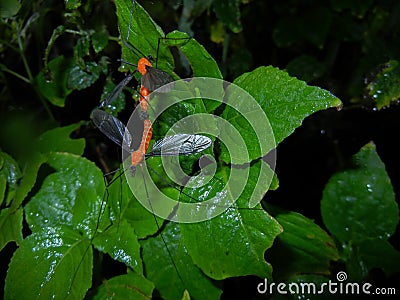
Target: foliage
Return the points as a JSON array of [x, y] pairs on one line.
[[68, 225]]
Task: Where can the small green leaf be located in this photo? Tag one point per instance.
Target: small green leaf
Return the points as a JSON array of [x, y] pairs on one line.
[[228, 12], [80, 79], [303, 247], [10, 226], [58, 140], [363, 198], [201, 62], [53, 86], [10, 174], [56, 269], [385, 88], [81, 49], [99, 40], [129, 286]]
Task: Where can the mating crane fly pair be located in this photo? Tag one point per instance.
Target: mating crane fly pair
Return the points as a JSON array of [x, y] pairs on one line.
[[114, 129]]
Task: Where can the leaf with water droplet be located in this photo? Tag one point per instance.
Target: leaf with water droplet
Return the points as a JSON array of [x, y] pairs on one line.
[[384, 89], [362, 197]]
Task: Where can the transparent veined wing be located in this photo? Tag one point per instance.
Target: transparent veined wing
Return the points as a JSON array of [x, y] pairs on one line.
[[180, 144], [113, 128]]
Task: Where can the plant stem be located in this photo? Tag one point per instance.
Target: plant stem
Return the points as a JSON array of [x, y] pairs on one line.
[[30, 78]]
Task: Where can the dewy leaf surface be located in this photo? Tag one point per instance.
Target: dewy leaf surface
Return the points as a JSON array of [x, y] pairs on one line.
[[232, 243], [359, 193], [285, 100], [302, 248], [63, 216], [54, 255]]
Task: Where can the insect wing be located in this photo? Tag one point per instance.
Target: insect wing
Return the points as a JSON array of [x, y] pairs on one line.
[[113, 128], [116, 91], [155, 78], [180, 144]]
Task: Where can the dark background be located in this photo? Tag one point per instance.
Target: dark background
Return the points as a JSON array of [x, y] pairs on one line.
[[347, 41]]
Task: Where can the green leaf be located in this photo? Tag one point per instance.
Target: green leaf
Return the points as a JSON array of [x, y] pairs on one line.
[[64, 217], [99, 40], [10, 173], [201, 62], [56, 269], [10, 226], [136, 26], [9, 8], [377, 253], [80, 79], [81, 49], [118, 104], [129, 286], [363, 198], [71, 196], [53, 86], [231, 243], [228, 11], [285, 100], [302, 248], [121, 243], [58, 140], [169, 266], [385, 88]]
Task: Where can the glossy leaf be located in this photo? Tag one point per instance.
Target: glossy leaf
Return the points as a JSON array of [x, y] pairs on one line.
[[63, 217], [129, 286], [385, 87], [60, 266], [303, 247], [360, 192], [80, 79], [99, 40], [136, 26], [232, 243], [201, 62], [10, 173], [10, 226], [169, 266], [54, 86], [285, 100], [59, 140]]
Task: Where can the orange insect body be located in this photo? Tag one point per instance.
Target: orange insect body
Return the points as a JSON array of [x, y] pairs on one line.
[[138, 155], [144, 98], [142, 63]]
